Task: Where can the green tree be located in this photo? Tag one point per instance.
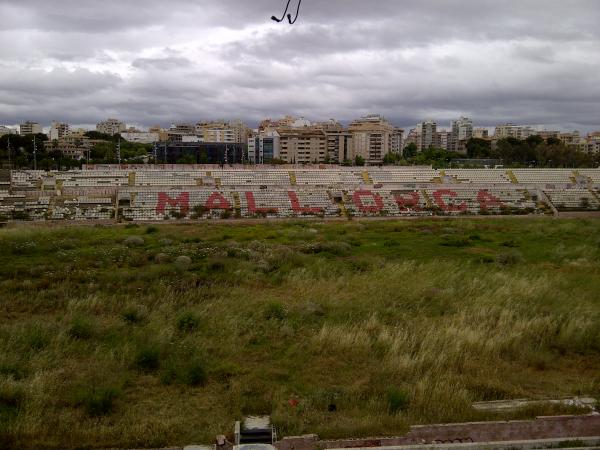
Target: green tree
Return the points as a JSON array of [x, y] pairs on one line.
[[479, 148], [359, 161], [410, 150]]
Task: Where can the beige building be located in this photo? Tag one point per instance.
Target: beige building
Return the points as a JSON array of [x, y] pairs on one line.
[[373, 137], [302, 145], [513, 131], [444, 140], [481, 133], [223, 132], [570, 139], [74, 146], [58, 130], [111, 127], [140, 137], [30, 128]]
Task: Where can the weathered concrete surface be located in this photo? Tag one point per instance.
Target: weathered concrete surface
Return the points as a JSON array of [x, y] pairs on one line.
[[540, 428], [511, 405], [504, 445]]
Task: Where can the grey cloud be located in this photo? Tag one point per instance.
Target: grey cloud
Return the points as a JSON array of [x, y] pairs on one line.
[[533, 61]]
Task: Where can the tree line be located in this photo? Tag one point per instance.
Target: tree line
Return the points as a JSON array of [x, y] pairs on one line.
[[48, 156]]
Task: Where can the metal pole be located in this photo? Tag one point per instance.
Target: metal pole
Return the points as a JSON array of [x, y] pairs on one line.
[[8, 148], [34, 154], [119, 152]]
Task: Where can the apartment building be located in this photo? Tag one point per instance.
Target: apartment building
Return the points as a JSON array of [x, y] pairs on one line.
[[58, 130], [30, 128], [302, 145], [426, 135], [73, 145], [592, 143], [513, 131], [111, 127], [221, 131], [141, 137], [481, 133], [572, 139], [7, 130], [373, 137], [462, 131], [445, 140]]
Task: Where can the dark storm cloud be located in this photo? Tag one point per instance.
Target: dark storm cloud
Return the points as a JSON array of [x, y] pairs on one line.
[[532, 61]]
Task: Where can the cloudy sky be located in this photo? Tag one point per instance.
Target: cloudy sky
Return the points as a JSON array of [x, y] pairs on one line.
[[156, 62]]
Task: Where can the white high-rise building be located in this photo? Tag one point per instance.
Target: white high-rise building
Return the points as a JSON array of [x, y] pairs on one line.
[[426, 135], [462, 131]]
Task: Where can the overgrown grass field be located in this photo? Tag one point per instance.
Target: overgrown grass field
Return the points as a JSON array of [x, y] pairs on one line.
[[139, 336]]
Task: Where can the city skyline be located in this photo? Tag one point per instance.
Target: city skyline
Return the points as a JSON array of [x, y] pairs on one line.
[[149, 63]]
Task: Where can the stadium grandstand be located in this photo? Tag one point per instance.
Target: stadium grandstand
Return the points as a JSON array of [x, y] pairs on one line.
[[193, 192]]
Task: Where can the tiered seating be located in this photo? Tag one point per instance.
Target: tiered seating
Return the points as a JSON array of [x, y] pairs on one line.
[[572, 199], [385, 202], [495, 176], [403, 175], [252, 178], [592, 174], [328, 177], [537, 176], [166, 178], [26, 179], [493, 200], [83, 178]]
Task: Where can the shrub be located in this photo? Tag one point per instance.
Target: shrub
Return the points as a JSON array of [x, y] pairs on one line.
[[188, 371], [132, 315], [148, 358], [398, 401], [455, 241], [508, 258], [152, 229], [138, 259], [97, 400], [134, 241], [216, 266], [275, 311], [35, 338], [183, 263], [81, 328], [162, 258], [195, 374], [188, 322]]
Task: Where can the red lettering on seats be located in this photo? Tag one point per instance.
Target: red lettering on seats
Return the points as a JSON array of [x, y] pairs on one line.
[[252, 209], [438, 196], [487, 200], [217, 201], [183, 201], [300, 209], [357, 198], [404, 203]]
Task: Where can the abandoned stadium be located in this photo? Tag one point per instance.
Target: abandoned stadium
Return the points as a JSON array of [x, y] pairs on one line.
[[178, 192]]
